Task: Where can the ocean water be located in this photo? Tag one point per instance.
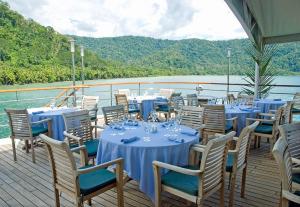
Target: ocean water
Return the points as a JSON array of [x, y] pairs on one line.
[[40, 98]]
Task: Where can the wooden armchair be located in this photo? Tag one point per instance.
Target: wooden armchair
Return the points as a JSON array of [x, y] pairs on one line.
[[267, 128], [248, 100], [121, 99], [22, 128], [172, 106], [81, 183], [90, 103], [230, 98], [215, 121], [125, 91], [192, 100], [296, 106], [192, 116], [195, 183], [166, 92], [78, 132], [237, 159], [284, 161], [113, 113]]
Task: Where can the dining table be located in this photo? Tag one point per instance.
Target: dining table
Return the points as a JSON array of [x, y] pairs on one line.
[[146, 103], [163, 145], [268, 104], [56, 116], [242, 112]]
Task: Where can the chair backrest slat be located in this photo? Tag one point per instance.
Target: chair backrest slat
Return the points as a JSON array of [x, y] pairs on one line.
[[121, 99], [124, 91], [214, 118], [19, 123], [192, 99], [113, 113], [62, 163], [90, 103], [78, 123], [213, 162], [291, 132], [192, 116]]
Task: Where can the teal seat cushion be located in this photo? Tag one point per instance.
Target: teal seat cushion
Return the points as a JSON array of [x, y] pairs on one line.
[[267, 123], [296, 177], [264, 129], [93, 118], [133, 111], [91, 147], [229, 162], [95, 180], [38, 129], [182, 182], [165, 108], [295, 110]]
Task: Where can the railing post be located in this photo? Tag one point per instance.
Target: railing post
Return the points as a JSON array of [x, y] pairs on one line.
[[17, 96], [111, 95], [139, 88]]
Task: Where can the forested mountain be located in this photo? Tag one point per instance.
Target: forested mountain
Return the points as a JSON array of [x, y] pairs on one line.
[[30, 52], [199, 56]]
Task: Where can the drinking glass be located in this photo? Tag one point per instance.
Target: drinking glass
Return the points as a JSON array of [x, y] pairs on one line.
[[146, 126]]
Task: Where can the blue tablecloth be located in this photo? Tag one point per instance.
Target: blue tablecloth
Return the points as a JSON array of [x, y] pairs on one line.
[[138, 155], [268, 104], [58, 125], [241, 113], [146, 104]]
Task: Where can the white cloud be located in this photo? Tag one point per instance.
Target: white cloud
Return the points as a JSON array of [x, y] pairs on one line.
[[171, 19]]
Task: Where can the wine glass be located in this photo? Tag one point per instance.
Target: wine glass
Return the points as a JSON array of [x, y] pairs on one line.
[[146, 126]]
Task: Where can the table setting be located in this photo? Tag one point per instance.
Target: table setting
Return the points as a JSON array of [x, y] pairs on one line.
[[140, 143]]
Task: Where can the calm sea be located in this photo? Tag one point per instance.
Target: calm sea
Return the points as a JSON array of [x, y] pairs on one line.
[[40, 98]]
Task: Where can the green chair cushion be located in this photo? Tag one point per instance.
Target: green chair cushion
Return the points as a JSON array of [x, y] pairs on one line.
[[267, 123], [93, 118], [229, 162], [91, 147], [292, 204], [38, 129], [95, 180], [165, 108], [182, 182], [264, 129]]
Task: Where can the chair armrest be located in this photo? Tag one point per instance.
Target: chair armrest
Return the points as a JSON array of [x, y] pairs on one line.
[[232, 152], [295, 161], [118, 161], [290, 196], [71, 136], [176, 168], [98, 127], [265, 120], [235, 138], [83, 154], [198, 149], [199, 146], [41, 121], [265, 114], [201, 127], [232, 119], [271, 111]]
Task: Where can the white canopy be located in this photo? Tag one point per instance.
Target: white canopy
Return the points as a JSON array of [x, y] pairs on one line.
[[268, 21]]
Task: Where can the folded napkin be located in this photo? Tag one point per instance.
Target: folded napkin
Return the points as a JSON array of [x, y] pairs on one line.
[[189, 132], [178, 140], [246, 109], [165, 124], [37, 112], [277, 99], [129, 140], [131, 123], [117, 127]]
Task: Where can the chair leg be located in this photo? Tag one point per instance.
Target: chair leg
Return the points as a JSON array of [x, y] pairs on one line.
[[120, 197], [26, 146], [229, 183], [95, 128], [32, 151], [222, 189], [14, 148], [243, 182], [232, 187], [57, 203], [90, 202], [258, 144]]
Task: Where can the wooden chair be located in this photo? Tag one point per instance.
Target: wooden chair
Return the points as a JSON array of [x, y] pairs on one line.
[[78, 132], [192, 116], [166, 92], [267, 128], [192, 100], [85, 182], [284, 161], [296, 105], [124, 91], [237, 159], [195, 183], [230, 98], [215, 121], [121, 99], [22, 128], [113, 113], [247, 99], [90, 103], [172, 106]]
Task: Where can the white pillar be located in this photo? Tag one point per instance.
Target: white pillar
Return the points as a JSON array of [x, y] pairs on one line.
[[256, 84]]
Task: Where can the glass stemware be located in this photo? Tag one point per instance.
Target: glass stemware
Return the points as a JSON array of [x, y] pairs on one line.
[[147, 129]]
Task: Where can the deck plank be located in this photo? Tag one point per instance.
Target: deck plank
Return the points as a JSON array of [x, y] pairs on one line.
[[24, 183]]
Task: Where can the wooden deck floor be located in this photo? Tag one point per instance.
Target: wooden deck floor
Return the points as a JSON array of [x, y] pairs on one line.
[[23, 183]]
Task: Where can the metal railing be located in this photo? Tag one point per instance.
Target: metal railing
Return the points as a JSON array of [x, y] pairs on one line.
[[37, 97]]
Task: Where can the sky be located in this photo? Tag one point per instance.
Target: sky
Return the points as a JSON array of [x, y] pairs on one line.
[[164, 19]]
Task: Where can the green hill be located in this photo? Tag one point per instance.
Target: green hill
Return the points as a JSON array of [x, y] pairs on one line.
[[195, 55]]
